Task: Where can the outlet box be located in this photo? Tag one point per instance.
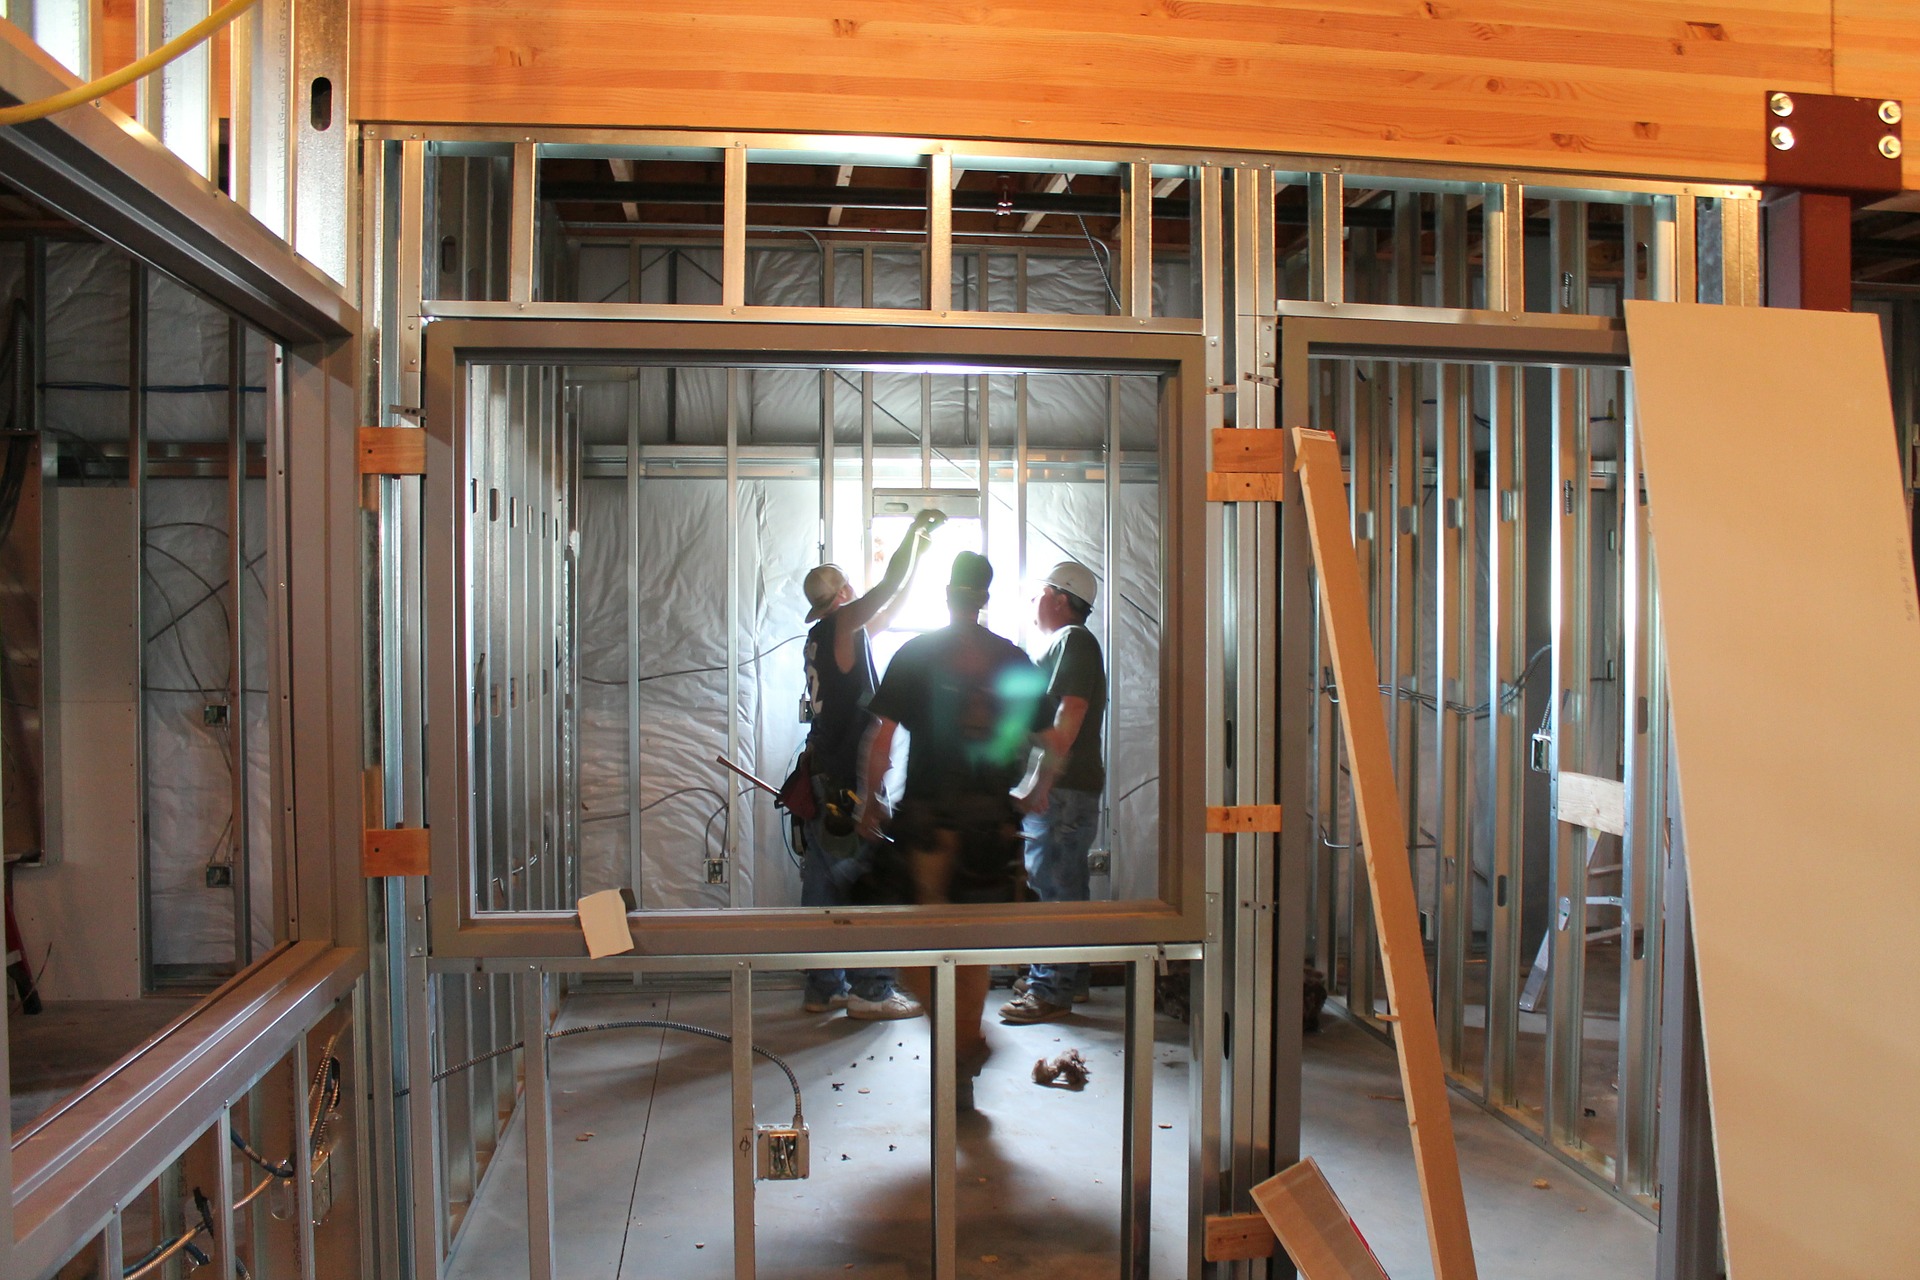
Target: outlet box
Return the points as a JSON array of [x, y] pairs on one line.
[[716, 870], [322, 1186], [219, 876], [780, 1152], [1099, 863], [1538, 746]]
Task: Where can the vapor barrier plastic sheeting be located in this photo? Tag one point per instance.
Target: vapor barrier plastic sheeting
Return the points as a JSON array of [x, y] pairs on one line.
[[186, 627], [189, 763], [679, 659], [679, 650], [681, 668]]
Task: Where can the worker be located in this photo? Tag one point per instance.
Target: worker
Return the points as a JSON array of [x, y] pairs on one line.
[[840, 679], [1062, 799], [970, 702]]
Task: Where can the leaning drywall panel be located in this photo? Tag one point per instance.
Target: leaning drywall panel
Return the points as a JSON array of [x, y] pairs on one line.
[[1793, 647]]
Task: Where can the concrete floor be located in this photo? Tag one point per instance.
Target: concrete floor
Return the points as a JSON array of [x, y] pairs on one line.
[[69, 1042], [641, 1121], [1356, 1128]]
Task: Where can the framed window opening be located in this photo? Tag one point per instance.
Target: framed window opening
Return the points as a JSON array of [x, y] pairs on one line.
[[542, 925]]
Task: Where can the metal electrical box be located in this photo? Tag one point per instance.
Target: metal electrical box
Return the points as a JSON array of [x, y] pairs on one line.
[[780, 1152]]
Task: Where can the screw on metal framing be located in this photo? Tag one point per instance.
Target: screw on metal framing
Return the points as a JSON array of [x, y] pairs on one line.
[[1890, 147], [1889, 112], [1780, 104], [1781, 138]]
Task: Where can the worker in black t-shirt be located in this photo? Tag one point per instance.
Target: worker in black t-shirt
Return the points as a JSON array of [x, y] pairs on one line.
[[970, 702], [1063, 803], [839, 682]]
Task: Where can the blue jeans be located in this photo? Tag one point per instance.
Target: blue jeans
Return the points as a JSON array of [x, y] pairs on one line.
[[1057, 845], [828, 865]]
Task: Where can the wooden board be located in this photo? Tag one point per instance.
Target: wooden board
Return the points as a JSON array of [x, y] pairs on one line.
[[1876, 54], [1226, 819], [393, 451], [1237, 449], [1237, 1237], [1315, 1227], [1793, 651], [1599, 804], [1621, 86], [394, 851], [1242, 486], [1384, 839]]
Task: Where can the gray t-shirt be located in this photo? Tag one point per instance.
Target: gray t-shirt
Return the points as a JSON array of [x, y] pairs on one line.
[[1074, 668]]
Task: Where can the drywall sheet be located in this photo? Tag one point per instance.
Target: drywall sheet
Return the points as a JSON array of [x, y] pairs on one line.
[[1793, 643]]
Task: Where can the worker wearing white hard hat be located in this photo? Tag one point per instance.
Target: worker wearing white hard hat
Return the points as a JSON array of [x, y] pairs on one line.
[[1062, 802]]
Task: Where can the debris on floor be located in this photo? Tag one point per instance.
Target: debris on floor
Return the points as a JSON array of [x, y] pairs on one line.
[[1541, 1184], [1069, 1070]]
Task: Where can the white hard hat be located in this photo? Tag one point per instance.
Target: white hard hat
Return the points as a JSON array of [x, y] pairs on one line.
[[1073, 578]]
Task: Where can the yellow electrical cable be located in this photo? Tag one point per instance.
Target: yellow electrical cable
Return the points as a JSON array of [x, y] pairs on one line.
[[95, 89]]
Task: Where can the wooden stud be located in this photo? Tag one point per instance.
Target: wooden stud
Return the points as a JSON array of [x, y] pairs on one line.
[[1314, 1226], [1242, 486], [393, 451], [1238, 449], [393, 851], [1238, 1237], [1384, 839], [1232, 819], [1599, 804]]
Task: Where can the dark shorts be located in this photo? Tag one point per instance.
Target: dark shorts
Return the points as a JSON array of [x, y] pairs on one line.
[[978, 838]]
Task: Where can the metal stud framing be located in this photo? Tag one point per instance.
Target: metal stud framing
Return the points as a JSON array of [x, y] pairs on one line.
[[1260, 663]]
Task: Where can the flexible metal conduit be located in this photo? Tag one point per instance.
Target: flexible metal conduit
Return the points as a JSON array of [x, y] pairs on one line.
[[323, 1095], [628, 1024]]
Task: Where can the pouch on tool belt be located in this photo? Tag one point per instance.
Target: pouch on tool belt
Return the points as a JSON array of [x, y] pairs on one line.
[[796, 793]]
